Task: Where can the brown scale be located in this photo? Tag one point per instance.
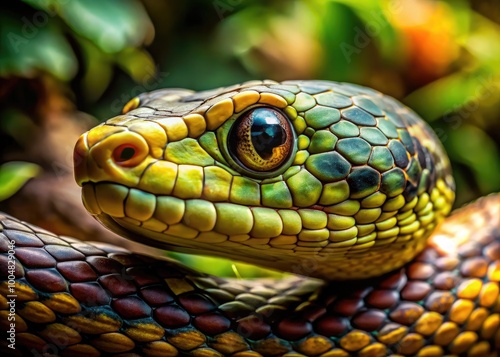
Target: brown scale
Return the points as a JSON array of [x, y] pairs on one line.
[[105, 301]]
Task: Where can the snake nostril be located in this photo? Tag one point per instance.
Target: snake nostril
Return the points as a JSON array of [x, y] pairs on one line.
[[124, 154]]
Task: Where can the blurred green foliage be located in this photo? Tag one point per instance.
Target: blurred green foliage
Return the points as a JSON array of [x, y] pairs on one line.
[[14, 174], [75, 39], [442, 58]]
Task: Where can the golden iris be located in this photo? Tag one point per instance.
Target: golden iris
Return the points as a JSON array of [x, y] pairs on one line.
[[261, 139]]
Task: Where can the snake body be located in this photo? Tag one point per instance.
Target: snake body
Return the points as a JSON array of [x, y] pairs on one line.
[[324, 179]]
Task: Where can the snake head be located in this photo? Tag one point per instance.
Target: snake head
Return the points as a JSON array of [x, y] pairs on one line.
[[326, 179]]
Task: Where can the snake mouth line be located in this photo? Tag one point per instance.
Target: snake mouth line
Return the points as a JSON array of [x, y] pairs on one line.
[[172, 223]]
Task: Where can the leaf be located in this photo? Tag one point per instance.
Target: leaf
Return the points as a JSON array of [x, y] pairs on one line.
[[137, 63], [484, 41], [28, 49], [223, 267], [476, 149], [343, 45], [96, 65], [13, 176], [377, 26], [452, 92], [195, 60], [112, 25]]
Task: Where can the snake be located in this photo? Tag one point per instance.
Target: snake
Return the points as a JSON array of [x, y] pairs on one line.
[[336, 183]]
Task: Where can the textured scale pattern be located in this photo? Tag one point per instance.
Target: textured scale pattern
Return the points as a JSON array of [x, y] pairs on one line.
[[80, 299], [366, 183]]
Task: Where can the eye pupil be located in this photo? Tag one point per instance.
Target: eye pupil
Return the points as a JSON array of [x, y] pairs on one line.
[[266, 133], [127, 153]]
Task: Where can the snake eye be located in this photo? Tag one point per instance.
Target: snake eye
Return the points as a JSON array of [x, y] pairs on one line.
[[124, 154], [261, 139]]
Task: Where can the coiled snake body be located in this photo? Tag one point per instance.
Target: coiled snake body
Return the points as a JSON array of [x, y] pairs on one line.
[[329, 180]]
